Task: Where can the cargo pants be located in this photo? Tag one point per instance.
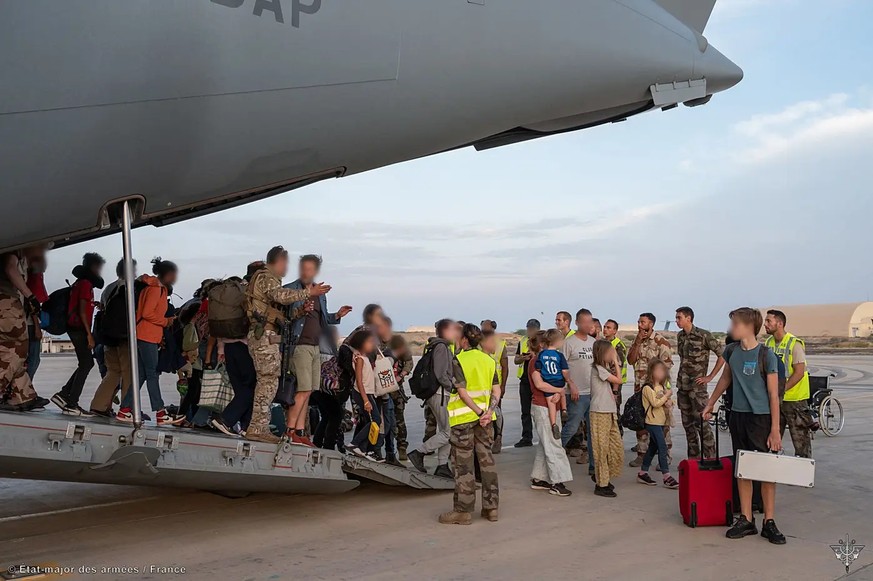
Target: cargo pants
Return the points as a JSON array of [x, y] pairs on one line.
[[468, 440], [15, 385], [796, 417], [268, 365], [691, 403]]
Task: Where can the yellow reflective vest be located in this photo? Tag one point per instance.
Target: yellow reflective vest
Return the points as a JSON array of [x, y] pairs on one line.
[[479, 371], [785, 351], [523, 348], [497, 356], [570, 334], [615, 343]]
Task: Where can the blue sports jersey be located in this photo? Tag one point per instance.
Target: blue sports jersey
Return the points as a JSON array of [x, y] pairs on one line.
[[551, 365]]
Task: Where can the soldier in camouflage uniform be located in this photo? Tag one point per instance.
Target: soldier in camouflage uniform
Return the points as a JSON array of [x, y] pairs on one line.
[[694, 346], [647, 345], [16, 304], [265, 299], [402, 369]]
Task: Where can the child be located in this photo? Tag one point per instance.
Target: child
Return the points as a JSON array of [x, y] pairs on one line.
[[555, 371], [656, 398], [363, 347], [605, 438]]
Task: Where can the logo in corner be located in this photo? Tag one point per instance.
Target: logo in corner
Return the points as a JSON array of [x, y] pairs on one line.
[[847, 552]]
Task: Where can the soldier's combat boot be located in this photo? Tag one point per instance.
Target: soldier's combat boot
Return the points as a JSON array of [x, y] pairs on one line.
[[416, 458], [444, 471], [266, 438], [456, 518], [401, 455], [490, 514]]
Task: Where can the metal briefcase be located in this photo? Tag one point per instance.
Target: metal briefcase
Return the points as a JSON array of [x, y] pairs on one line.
[[766, 467]]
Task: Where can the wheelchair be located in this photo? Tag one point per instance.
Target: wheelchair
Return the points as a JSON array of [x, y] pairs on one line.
[[826, 410]]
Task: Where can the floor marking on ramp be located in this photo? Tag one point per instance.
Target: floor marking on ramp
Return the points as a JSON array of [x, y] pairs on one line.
[[75, 509]]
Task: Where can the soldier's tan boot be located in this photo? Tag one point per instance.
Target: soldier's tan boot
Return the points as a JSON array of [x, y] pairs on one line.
[[490, 514], [456, 518], [266, 438]]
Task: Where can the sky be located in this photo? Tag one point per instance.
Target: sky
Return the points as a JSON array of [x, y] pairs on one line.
[[761, 197]]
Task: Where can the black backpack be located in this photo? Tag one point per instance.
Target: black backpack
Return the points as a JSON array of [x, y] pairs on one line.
[[634, 415], [58, 309], [113, 322], [423, 383]]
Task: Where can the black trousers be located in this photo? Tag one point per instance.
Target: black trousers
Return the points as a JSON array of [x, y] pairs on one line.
[[526, 397], [328, 434], [243, 378], [188, 405], [72, 391]]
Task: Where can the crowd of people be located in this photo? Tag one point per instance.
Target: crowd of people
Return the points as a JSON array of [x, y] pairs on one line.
[[265, 335]]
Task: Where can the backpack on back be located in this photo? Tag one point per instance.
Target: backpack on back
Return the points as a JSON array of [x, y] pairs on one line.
[[227, 311], [634, 415], [423, 383], [57, 308], [113, 322], [762, 365]]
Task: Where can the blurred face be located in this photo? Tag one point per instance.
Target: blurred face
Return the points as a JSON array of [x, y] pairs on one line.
[[489, 344], [531, 331], [610, 330], [659, 374], [597, 328], [369, 345], [645, 324], [585, 323], [740, 330], [308, 271], [280, 267], [170, 278], [771, 324], [683, 321], [487, 326], [374, 316], [383, 329]]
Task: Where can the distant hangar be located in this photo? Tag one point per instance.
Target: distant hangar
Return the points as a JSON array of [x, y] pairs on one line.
[[840, 320]]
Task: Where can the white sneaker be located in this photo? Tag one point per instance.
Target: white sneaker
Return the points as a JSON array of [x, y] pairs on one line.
[[59, 401], [356, 451]]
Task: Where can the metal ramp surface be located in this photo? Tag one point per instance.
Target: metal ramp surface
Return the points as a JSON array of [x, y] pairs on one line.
[[50, 446], [394, 475]]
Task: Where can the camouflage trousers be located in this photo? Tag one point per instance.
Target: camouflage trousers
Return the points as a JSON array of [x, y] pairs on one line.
[[796, 417], [430, 424], [469, 440], [268, 365], [400, 432], [691, 403], [15, 385], [643, 437]]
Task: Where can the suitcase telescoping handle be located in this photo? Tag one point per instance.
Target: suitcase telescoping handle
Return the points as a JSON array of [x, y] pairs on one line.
[[709, 463]]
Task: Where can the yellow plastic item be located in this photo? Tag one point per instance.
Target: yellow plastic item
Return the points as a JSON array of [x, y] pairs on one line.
[[374, 433]]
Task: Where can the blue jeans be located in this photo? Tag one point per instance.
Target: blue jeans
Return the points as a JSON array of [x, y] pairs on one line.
[[148, 374], [576, 412], [657, 443], [390, 425], [34, 348]]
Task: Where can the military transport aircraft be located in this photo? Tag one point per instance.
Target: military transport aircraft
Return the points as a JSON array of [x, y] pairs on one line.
[[116, 114], [191, 107]]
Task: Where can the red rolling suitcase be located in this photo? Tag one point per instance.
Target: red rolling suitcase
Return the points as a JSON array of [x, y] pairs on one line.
[[706, 490]]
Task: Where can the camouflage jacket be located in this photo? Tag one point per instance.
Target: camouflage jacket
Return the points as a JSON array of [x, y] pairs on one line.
[[694, 348], [264, 296], [654, 347]]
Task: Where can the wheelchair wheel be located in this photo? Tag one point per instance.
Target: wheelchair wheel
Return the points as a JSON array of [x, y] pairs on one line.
[[721, 419], [831, 416]]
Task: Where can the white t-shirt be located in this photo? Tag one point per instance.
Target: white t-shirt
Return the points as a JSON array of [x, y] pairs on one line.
[[602, 399], [580, 357]]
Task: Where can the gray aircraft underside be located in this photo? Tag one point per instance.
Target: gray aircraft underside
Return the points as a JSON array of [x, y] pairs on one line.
[[191, 106]]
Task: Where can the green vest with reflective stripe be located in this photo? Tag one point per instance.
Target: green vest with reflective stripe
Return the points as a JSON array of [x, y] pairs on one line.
[[523, 348], [479, 370], [615, 343], [785, 350]]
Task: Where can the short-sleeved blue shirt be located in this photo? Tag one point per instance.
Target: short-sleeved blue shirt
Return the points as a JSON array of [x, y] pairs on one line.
[[551, 365], [750, 387]]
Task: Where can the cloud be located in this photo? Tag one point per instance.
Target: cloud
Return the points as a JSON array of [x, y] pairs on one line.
[[817, 123]]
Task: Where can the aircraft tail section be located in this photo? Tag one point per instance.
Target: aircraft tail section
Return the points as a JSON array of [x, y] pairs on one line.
[[693, 13]]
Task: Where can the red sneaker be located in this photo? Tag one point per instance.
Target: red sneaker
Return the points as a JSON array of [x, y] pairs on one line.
[[302, 440]]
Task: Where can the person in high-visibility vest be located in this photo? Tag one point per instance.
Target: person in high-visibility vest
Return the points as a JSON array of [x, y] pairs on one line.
[[610, 333], [794, 407], [524, 390], [563, 320], [501, 358], [471, 411]]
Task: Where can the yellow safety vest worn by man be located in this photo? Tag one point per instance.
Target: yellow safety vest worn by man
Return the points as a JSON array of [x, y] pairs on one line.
[[785, 350], [481, 373], [497, 356], [524, 347], [622, 354]]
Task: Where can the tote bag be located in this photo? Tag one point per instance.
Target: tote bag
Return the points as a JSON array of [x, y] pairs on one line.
[[216, 391], [386, 382]]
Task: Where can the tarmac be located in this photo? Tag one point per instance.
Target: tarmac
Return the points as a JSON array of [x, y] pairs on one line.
[[380, 532]]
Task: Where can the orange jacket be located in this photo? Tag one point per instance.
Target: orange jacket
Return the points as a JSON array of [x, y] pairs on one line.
[[151, 311]]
